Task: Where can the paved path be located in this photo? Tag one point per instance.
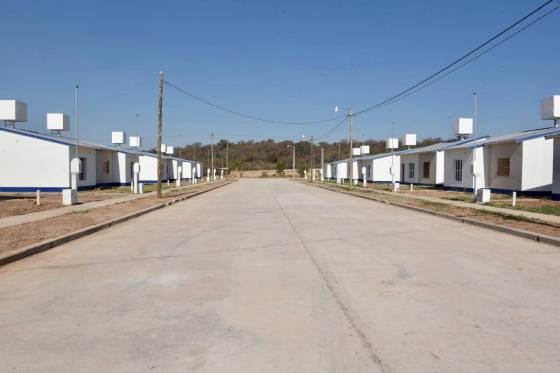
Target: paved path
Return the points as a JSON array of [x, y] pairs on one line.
[[274, 276], [10, 221]]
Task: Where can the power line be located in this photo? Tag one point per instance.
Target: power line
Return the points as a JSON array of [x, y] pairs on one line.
[[338, 125], [456, 61], [248, 116]]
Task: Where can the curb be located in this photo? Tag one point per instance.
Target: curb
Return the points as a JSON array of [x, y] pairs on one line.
[[40, 247], [513, 231]]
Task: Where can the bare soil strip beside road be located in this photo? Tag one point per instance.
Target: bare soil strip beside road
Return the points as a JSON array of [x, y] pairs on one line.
[[23, 235], [541, 229]]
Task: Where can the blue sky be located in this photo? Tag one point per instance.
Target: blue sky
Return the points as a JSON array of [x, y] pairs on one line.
[[287, 60]]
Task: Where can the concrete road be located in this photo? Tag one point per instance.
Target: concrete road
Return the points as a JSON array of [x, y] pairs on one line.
[[269, 275]]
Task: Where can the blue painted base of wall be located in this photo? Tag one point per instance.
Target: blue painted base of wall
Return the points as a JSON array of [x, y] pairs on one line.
[[556, 196], [528, 193], [59, 189]]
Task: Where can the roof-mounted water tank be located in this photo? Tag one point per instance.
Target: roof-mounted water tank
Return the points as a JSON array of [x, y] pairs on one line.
[[13, 111]]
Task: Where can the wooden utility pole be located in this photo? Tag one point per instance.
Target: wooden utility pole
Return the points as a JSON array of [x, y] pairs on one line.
[[159, 130], [227, 157]]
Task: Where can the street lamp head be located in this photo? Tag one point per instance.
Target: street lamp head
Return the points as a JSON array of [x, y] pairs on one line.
[[336, 109]]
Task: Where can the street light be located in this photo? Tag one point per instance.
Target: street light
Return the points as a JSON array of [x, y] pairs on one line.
[[351, 116]]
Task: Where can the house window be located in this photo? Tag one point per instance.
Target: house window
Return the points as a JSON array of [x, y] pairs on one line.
[[458, 170], [503, 167], [82, 175], [411, 170], [426, 170], [107, 167]]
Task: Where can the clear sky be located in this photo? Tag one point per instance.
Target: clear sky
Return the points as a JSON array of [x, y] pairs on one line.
[[287, 60]]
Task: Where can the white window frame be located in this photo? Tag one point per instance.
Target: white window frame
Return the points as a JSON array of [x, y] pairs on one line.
[[458, 163]]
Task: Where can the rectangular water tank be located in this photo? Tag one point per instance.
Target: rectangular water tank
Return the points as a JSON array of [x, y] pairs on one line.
[[355, 151], [118, 137], [135, 141], [169, 150], [409, 139], [392, 143], [463, 126], [550, 108], [364, 149], [58, 122], [13, 111]]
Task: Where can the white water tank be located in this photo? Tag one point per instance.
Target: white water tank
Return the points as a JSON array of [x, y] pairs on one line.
[[13, 111], [550, 108], [135, 141], [364, 149], [58, 122], [463, 126], [355, 151], [169, 150], [118, 137], [392, 143], [409, 139], [163, 148]]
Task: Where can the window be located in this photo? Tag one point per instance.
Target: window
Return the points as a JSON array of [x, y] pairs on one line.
[[411, 170], [107, 167], [132, 170], [426, 171], [82, 175], [458, 170], [503, 167]]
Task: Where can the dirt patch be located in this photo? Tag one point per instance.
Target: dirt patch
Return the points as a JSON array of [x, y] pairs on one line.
[[16, 237], [480, 215], [24, 203]]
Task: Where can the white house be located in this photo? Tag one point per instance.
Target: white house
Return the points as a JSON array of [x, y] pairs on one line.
[[425, 165], [520, 161], [556, 169], [381, 168], [31, 161]]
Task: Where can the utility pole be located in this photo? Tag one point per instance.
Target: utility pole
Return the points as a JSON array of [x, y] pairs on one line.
[[194, 152], [212, 154], [159, 130], [311, 143], [322, 158], [339, 150], [77, 119], [474, 145], [227, 157], [350, 177]]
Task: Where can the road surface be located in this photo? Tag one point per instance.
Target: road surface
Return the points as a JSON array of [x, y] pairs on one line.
[[269, 275]]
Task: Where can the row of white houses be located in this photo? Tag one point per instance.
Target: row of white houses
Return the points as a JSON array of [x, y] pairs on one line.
[[527, 162], [31, 161]]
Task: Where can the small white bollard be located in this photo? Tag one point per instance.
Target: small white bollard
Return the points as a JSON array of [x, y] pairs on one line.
[[364, 176], [38, 198], [483, 195], [513, 198], [140, 188], [305, 174], [355, 181], [395, 187], [338, 180], [207, 175], [322, 176], [69, 197], [411, 187]]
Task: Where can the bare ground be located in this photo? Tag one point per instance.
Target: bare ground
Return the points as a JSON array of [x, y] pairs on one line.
[[490, 217], [16, 237]]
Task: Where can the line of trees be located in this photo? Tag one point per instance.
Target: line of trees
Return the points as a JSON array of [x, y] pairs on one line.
[[272, 155]]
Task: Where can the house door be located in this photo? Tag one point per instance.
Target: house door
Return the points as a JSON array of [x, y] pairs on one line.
[[402, 172]]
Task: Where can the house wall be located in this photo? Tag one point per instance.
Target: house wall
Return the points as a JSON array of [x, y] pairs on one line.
[[511, 150], [123, 166], [465, 154], [537, 165], [148, 169], [406, 160], [198, 170], [28, 163], [440, 167], [102, 177], [187, 170], [381, 171], [556, 169], [341, 170]]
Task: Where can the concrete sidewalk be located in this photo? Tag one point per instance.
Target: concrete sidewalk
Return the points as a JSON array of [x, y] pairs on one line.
[[11, 221]]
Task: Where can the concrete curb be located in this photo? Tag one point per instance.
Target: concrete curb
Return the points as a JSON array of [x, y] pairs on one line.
[[514, 231], [40, 247]]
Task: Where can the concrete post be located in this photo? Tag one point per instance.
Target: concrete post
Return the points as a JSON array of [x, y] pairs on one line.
[[513, 198], [38, 200]]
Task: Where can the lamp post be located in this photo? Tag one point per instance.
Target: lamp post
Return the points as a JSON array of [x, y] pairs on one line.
[[474, 168], [351, 116]]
